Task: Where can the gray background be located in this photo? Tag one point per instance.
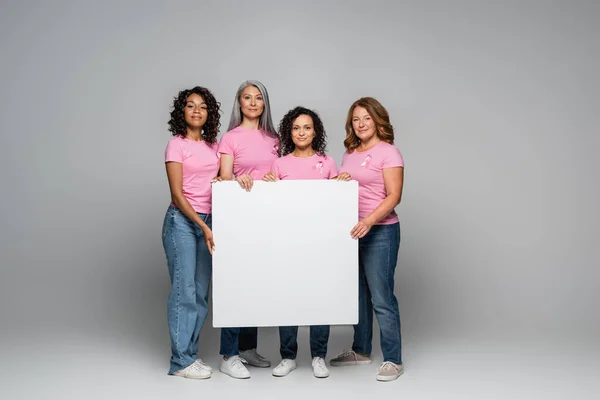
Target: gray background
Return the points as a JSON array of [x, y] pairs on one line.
[[495, 105]]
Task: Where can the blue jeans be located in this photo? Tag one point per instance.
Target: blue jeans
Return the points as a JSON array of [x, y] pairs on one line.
[[190, 269], [378, 255], [234, 340], [288, 335]]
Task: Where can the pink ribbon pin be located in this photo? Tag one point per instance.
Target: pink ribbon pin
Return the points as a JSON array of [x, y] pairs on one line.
[[367, 161], [320, 167]]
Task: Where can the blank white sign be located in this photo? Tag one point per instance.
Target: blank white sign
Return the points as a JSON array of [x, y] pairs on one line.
[[283, 254]]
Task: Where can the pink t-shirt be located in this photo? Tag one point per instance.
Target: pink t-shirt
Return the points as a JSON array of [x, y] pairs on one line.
[[253, 152], [200, 162], [367, 168], [314, 167]]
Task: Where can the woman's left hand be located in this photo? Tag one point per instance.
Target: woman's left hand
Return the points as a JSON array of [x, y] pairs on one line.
[[270, 177], [361, 229]]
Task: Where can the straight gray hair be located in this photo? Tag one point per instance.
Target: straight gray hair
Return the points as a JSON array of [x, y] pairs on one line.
[[265, 124]]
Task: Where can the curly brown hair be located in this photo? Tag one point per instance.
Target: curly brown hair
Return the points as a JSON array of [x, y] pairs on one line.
[[383, 127], [319, 143], [210, 130]]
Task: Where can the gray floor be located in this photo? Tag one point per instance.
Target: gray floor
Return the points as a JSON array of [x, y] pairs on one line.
[[495, 105], [92, 367]]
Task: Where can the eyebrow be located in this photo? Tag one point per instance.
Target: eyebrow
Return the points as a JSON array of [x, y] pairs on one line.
[[193, 102]]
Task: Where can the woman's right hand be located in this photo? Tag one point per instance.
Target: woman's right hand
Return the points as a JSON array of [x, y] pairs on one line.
[[245, 181], [344, 176], [209, 240], [270, 177]]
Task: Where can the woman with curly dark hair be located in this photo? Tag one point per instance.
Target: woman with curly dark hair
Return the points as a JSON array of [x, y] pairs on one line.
[[303, 145], [191, 161], [247, 151], [373, 160]]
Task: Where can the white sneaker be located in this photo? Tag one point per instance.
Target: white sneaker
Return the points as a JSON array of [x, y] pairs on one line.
[[255, 359], [235, 368], [285, 367], [202, 365], [194, 371], [388, 371], [319, 368]]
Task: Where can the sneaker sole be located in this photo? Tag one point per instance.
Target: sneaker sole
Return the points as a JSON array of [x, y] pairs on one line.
[[286, 374], [388, 378], [193, 377], [320, 376], [234, 377], [348, 363]]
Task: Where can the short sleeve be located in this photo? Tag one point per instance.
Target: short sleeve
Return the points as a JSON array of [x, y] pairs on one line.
[[174, 151], [344, 159], [393, 158], [226, 146], [333, 171], [215, 147]]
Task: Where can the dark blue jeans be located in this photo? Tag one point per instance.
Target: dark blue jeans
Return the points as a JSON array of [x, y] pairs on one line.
[[190, 269], [288, 335], [234, 340], [378, 256]]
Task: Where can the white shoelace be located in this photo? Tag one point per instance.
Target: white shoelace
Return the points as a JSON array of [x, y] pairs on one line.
[[319, 364], [346, 353], [238, 362], [285, 362], [201, 364], [388, 366], [195, 366]]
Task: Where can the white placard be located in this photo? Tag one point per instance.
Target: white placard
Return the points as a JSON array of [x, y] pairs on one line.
[[284, 255]]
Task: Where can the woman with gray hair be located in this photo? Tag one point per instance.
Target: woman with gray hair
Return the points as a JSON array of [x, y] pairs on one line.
[[247, 152]]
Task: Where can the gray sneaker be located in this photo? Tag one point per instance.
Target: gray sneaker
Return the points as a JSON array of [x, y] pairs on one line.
[[388, 371], [255, 359], [350, 357]]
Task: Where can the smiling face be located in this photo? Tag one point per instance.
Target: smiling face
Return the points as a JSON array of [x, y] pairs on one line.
[[195, 111], [252, 103], [303, 131], [363, 125]]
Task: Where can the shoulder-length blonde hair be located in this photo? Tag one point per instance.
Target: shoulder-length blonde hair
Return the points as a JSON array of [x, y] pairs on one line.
[[383, 128]]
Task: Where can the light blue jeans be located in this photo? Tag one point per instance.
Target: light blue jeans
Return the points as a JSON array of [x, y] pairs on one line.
[[190, 269]]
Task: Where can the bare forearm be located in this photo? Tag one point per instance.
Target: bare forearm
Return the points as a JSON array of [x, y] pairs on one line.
[[383, 209], [186, 208]]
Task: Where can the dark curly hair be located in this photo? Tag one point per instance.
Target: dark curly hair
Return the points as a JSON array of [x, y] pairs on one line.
[[210, 130], [319, 143]]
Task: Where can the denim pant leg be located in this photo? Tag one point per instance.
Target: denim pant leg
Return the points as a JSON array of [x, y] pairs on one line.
[[319, 336], [203, 276], [288, 339], [180, 243], [248, 338], [229, 342], [363, 331], [380, 256]]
